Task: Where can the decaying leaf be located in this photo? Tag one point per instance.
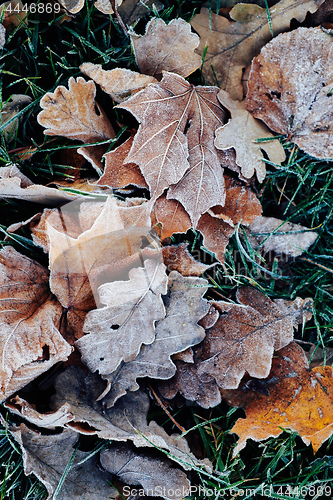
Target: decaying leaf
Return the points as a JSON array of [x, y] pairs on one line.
[[246, 335], [282, 237], [105, 5], [141, 468], [133, 10], [242, 133], [118, 330], [30, 342], [233, 44], [174, 143], [72, 113], [299, 399], [178, 258], [290, 89], [9, 110], [119, 83], [177, 331], [47, 458], [166, 47]]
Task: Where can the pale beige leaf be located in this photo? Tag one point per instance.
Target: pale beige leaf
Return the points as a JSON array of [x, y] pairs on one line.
[[242, 133], [2, 36], [178, 258], [127, 321], [119, 83], [174, 144], [290, 88], [47, 458], [8, 112], [233, 44], [246, 335], [133, 10], [280, 236], [151, 472], [166, 47], [30, 342], [73, 6], [72, 113], [105, 6]]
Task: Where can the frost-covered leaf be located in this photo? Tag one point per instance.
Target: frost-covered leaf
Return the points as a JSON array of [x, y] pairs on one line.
[[290, 89], [178, 258], [105, 6], [166, 47], [8, 112], [242, 133], [233, 44], [133, 10], [117, 331]]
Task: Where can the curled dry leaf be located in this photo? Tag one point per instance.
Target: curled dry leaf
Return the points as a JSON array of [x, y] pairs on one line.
[[30, 342], [72, 113], [8, 112], [270, 234], [47, 456], [242, 133], [166, 47], [246, 335], [290, 89], [119, 83], [233, 44], [127, 321], [175, 333], [141, 468], [178, 258], [299, 399], [174, 143]]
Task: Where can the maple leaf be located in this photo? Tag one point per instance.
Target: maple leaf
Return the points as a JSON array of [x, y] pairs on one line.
[[72, 113], [233, 44], [48, 456], [292, 95], [118, 330], [177, 331], [174, 144], [30, 342], [166, 47], [299, 399], [139, 468], [241, 133]]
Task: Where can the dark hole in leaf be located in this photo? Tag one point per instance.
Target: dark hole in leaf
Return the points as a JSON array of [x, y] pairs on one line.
[[114, 327], [97, 111]]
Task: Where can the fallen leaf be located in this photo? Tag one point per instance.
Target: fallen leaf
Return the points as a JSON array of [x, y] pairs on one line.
[[105, 6], [74, 113], [30, 342], [177, 331], [2, 36], [73, 6], [242, 133], [154, 474], [8, 112], [166, 47], [246, 335], [233, 44], [290, 88], [319, 356], [132, 10], [119, 83], [299, 400], [94, 155], [47, 456], [127, 321], [178, 258], [270, 234], [174, 143]]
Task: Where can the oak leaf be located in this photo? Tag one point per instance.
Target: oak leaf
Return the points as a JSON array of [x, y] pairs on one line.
[[30, 342], [141, 468], [128, 319], [233, 44], [174, 144], [290, 87], [242, 133], [72, 113], [166, 47]]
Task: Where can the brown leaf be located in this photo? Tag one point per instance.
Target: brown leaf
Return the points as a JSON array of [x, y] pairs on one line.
[[14, 14], [290, 89], [246, 335], [117, 174], [178, 258], [233, 44], [171, 216], [177, 331], [105, 5], [174, 143], [155, 474], [299, 399], [30, 342], [47, 458], [268, 233], [242, 133], [132, 10], [119, 83], [74, 113], [127, 321], [166, 47]]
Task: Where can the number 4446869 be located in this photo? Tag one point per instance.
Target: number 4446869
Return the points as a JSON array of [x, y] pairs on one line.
[[41, 8]]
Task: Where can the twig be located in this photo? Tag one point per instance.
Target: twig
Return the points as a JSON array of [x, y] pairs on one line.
[[121, 22], [164, 408]]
